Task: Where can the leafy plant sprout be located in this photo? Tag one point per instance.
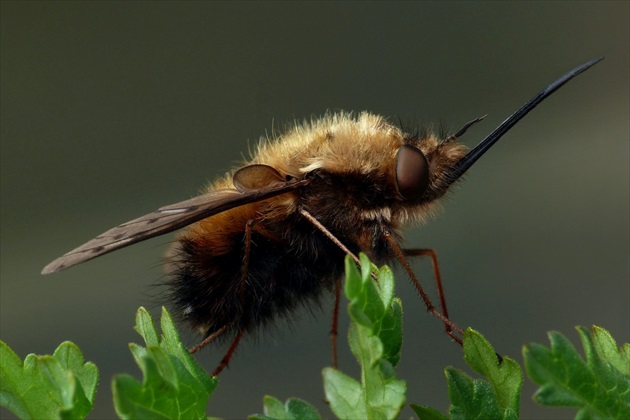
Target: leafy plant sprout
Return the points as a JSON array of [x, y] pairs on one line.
[[174, 385]]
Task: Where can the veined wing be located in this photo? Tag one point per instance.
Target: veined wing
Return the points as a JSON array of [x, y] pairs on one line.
[[167, 219]]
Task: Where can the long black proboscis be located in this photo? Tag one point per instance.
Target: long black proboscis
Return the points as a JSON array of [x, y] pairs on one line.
[[471, 157]]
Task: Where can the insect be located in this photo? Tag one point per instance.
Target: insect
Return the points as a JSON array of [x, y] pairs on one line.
[[272, 234]]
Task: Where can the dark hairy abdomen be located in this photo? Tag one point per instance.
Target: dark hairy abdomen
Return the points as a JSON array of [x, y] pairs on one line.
[[208, 293], [291, 262]]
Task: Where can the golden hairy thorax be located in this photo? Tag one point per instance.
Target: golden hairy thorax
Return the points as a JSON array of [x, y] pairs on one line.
[[364, 145]]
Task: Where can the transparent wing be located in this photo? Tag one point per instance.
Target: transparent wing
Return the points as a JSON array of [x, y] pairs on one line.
[[166, 219]]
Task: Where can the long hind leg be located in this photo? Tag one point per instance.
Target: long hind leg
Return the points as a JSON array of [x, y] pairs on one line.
[[226, 359]]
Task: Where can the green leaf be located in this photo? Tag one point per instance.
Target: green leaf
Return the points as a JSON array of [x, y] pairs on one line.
[[345, 394], [293, 409], [427, 413], [470, 398], [174, 385], [599, 386], [366, 306], [375, 339], [505, 378], [391, 333], [273, 407], [57, 386], [496, 396], [606, 347]]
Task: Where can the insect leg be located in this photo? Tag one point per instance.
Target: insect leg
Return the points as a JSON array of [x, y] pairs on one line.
[[335, 321], [436, 274], [247, 242], [400, 255], [438, 281], [244, 270], [329, 234], [207, 340], [332, 237], [230, 352]]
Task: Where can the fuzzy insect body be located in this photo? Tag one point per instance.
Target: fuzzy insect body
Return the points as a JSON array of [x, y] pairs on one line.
[[349, 167], [271, 235]]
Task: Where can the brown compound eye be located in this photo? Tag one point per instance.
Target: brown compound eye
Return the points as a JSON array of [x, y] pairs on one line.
[[412, 172]]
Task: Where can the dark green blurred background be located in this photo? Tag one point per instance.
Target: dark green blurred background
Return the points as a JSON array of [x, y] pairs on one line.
[[112, 109]]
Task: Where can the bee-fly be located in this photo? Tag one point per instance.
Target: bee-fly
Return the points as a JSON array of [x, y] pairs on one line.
[[272, 234]]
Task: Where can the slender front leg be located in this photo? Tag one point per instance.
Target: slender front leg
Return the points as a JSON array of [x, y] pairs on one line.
[[438, 281], [308, 216], [425, 252], [333, 331], [400, 255]]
